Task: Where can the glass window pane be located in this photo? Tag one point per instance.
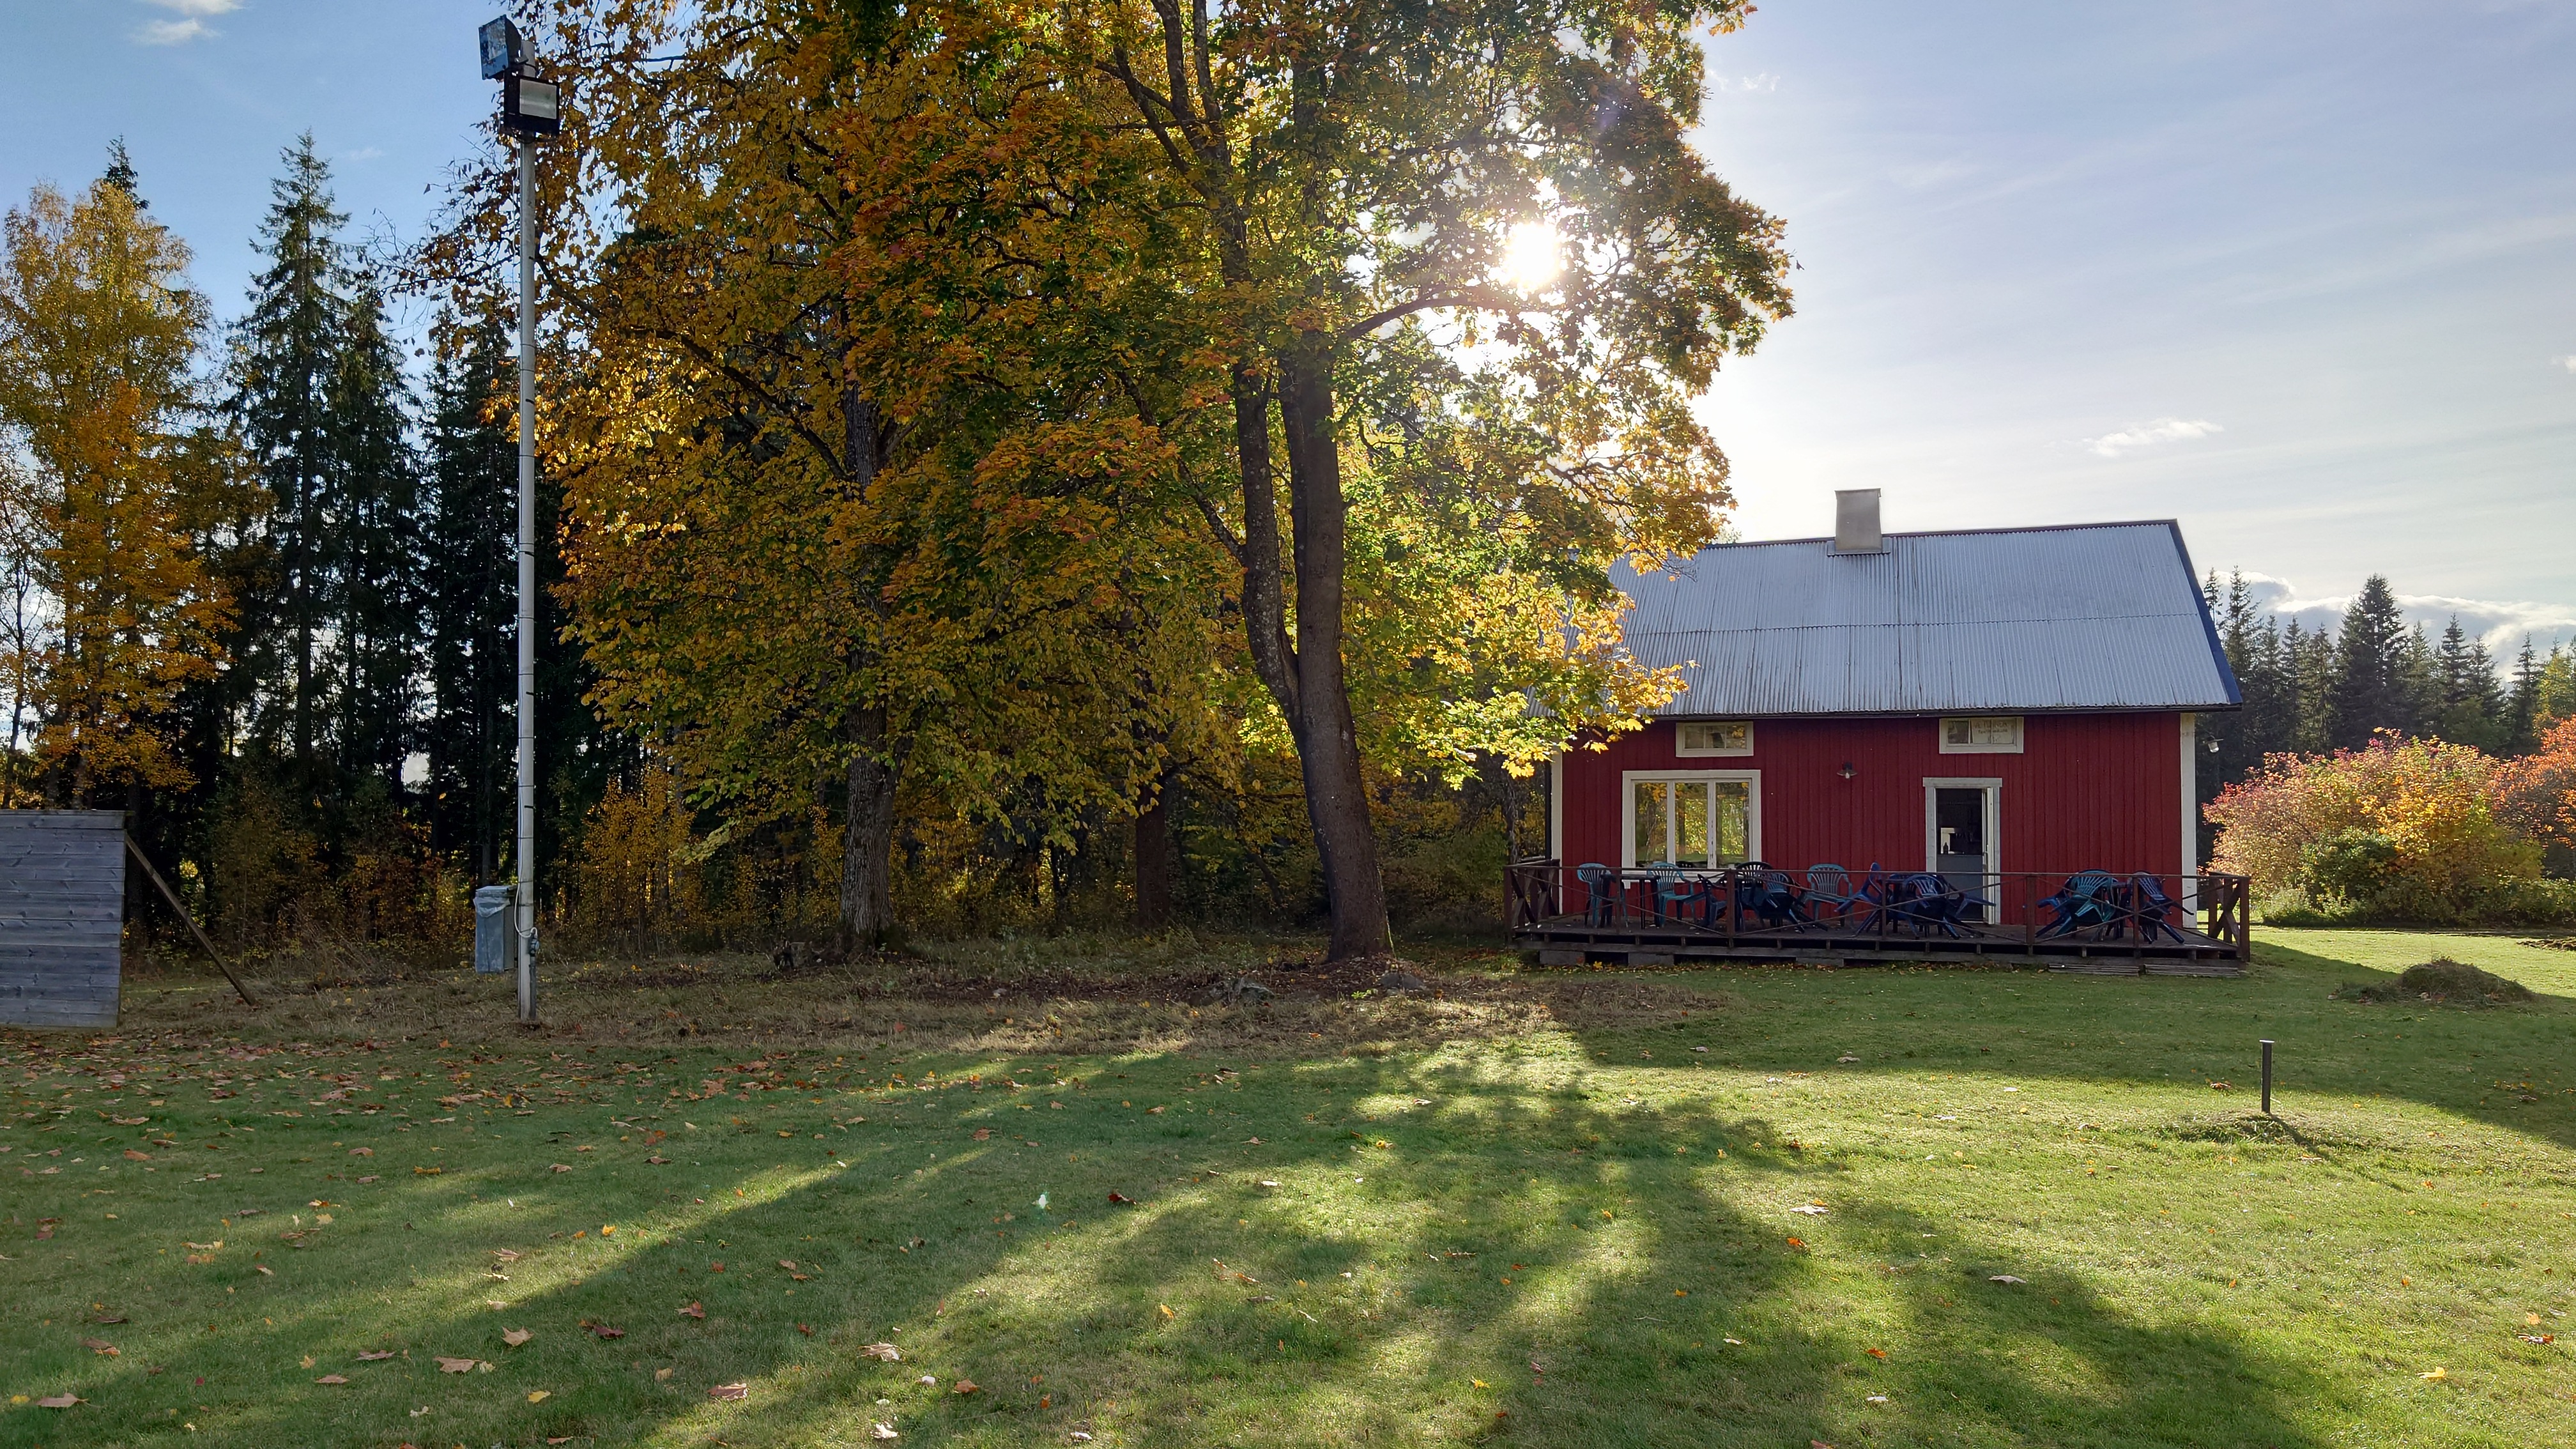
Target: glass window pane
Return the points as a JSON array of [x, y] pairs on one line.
[[1652, 816], [1734, 818], [1691, 821]]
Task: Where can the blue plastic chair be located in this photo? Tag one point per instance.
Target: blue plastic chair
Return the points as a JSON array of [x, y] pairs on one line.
[[2151, 909], [1830, 893], [2087, 902], [1599, 906]]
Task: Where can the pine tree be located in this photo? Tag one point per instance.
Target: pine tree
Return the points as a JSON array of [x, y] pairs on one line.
[[2371, 671], [472, 530], [2470, 706]]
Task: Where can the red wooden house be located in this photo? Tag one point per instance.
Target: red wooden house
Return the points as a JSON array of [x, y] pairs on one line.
[[2002, 709]]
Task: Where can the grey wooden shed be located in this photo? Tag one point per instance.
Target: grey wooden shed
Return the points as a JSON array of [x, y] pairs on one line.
[[62, 916]]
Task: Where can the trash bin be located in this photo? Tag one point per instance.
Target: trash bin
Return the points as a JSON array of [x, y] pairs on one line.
[[492, 926]]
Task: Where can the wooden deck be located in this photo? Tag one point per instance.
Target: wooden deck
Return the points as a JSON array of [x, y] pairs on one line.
[[2210, 939]]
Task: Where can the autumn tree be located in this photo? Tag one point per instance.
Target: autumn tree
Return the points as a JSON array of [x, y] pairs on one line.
[[808, 537], [1460, 260], [111, 472]]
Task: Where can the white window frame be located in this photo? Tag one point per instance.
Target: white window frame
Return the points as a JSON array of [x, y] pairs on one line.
[[1629, 780], [1688, 751], [1933, 785], [2020, 731]]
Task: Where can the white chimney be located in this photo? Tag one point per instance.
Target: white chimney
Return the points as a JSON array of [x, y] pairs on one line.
[[1856, 527]]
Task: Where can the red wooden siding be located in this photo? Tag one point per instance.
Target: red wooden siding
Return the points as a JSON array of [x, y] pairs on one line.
[[2088, 791]]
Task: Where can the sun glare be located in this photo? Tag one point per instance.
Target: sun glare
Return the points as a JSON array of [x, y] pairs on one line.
[[1532, 258]]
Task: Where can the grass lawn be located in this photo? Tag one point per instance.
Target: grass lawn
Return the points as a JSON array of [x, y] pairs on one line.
[[1754, 1207]]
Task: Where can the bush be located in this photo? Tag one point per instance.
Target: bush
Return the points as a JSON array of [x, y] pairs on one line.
[[2401, 830]]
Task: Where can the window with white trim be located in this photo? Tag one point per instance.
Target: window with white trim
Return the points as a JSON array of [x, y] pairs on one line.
[[1991, 734], [1714, 737], [1695, 820]]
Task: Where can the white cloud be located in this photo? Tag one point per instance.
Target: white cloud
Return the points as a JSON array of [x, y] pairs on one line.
[[1762, 84], [363, 153], [180, 32], [2147, 435], [172, 32], [2568, 362]]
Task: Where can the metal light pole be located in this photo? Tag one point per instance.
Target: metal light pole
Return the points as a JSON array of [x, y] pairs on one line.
[[525, 857], [530, 109]]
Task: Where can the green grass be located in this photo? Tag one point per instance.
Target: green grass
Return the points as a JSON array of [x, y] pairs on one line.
[[1533, 1212]]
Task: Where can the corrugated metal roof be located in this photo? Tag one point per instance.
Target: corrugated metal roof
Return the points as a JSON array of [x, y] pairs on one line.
[[2102, 616]]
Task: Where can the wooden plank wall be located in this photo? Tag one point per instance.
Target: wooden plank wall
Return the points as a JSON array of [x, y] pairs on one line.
[[62, 916]]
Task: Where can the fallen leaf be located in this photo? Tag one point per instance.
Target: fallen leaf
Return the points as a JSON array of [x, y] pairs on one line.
[[805, 1330], [695, 1309], [2004, 1278], [100, 1345], [60, 1401], [604, 1331], [362, 1152], [930, 1380], [661, 1374], [730, 1391], [263, 1270], [2540, 1338], [537, 1396], [1121, 1197], [448, 1365], [2439, 1373], [138, 1156], [1480, 1383], [559, 1167], [330, 1379], [883, 1431], [787, 1263], [983, 1133], [1167, 1310], [1875, 1352], [376, 1354], [1810, 1209], [507, 1255], [962, 1386], [109, 1318], [516, 1336], [885, 1351]]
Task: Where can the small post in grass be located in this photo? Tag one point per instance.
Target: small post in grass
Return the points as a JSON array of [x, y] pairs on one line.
[[2267, 1076]]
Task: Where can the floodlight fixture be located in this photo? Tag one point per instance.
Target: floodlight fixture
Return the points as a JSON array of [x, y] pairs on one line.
[[531, 107], [503, 51]]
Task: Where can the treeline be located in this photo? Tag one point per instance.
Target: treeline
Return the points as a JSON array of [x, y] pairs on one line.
[[2311, 691], [1002, 462], [259, 586]]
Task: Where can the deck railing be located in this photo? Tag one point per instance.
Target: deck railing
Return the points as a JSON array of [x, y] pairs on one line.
[[1769, 903]]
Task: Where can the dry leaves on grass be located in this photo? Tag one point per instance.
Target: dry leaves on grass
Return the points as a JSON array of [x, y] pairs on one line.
[[882, 1431], [99, 1345], [373, 1355], [331, 1379], [885, 1351], [60, 1401], [730, 1391], [448, 1365], [603, 1330], [2005, 1278], [695, 1310], [516, 1336], [962, 1386]]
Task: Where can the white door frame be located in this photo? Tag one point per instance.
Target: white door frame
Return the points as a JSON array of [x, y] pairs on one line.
[[1629, 780], [1933, 785]]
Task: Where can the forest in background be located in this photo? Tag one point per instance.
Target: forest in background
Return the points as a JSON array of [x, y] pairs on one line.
[[948, 418]]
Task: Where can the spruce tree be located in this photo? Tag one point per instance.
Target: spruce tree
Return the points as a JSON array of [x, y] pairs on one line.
[[284, 367], [2522, 706], [2371, 671], [373, 549], [472, 473]]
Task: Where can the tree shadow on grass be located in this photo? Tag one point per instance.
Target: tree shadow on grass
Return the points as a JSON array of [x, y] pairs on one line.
[[1635, 1240]]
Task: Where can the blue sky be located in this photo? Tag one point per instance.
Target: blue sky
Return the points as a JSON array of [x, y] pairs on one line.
[[2302, 276]]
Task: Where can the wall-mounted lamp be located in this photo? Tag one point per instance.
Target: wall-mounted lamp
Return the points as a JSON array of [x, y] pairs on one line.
[[1848, 771]]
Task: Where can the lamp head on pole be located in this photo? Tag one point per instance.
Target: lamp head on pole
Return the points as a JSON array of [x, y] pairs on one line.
[[504, 52]]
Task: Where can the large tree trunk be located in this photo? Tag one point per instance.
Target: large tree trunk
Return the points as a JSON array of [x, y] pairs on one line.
[[1327, 736], [867, 841], [1154, 857]]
